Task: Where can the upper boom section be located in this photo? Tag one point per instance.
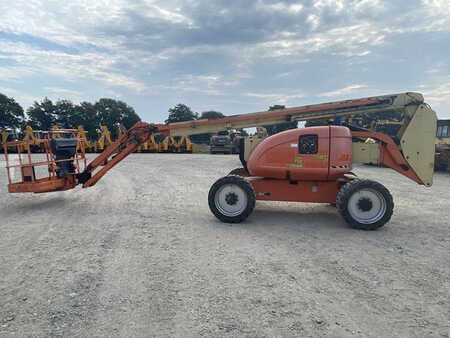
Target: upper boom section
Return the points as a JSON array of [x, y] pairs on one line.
[[384, 103]]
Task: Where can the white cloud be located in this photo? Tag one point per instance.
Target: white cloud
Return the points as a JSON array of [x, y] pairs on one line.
[[282, 7], [168, 15], [93, 66], [343, 91], [437, 95], [336, 5], [212, 84], [25, 99], [441, 7], [314, 21], [277, 98], [64, 92], [352, 40]]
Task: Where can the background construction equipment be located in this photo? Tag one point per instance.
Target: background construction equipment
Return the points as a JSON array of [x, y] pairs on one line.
[[443, 145]]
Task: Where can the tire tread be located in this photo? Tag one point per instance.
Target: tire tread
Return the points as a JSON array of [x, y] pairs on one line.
[[346, 192], [242, 183]]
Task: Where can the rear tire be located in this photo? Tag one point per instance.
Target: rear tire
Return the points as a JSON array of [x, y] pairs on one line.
[[365, 204], [231, 199]]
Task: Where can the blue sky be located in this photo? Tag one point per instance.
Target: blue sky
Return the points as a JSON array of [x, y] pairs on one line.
[[234, 56]]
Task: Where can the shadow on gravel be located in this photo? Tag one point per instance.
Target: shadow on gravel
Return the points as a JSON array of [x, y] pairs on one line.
[[293, 220], [39, 204], [298, 220]]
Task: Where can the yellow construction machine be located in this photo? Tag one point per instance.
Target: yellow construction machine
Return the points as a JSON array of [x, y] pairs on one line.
[[168, 145], [82, 134], [185, 145], [5, 134], [30, 138], [153, 146], [443, 145], [104, 139], [55, 131]]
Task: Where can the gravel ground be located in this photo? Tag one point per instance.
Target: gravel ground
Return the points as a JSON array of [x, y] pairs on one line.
[[140, 254]]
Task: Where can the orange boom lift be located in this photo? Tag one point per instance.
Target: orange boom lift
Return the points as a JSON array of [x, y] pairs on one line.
[[301, 165]]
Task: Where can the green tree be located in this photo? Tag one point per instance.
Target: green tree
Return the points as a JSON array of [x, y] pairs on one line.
[[211, 115], [113, 113], [276, 128], [181, 113], [64, 111], [42, 115], [11, 113], [85, 114]]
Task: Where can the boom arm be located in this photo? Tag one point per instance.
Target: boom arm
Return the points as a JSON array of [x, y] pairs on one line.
[[385, 103], [116, 152]]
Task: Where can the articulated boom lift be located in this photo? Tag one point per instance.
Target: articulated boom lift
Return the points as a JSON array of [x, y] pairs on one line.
[[61, 153], [303, 165]]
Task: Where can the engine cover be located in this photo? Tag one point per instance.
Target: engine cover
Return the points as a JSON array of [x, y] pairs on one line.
[[314, 153]]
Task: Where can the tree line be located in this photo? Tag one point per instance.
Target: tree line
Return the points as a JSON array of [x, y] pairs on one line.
[[108, 112], [66, 114]]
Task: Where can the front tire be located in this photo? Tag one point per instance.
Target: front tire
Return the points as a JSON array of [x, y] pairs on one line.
[[231, 199], [365, 204], [239, 172]]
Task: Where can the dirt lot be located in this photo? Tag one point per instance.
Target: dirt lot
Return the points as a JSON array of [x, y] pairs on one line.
[[140, 254]]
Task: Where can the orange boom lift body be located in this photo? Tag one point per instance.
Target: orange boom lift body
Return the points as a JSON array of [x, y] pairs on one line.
[[316, 170], [301, 165]]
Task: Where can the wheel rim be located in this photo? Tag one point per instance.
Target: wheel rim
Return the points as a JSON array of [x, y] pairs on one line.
[[230, 200], [367, 206]]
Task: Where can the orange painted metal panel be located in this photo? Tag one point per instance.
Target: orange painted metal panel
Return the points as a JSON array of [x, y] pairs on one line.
[[302, 191], [279, 156], [29, 182], [340, 151], [44, 185]]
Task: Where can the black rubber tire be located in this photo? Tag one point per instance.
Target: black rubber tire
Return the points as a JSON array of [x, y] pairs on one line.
[[244, 185], [355, 185], [349, 173], [239, 172]]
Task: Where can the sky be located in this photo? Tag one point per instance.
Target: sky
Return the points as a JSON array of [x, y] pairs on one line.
[[232, 56]]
